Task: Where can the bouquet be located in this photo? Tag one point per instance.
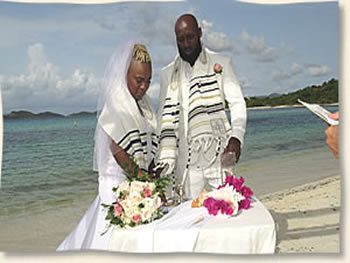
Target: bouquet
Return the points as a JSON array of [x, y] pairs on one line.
[[138, 200], [228, 199]]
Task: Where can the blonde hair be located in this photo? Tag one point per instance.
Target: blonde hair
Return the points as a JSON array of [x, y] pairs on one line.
[[141, 54]]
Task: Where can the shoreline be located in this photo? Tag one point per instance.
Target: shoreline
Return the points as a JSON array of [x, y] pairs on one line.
[[32, 115], [286, 106]]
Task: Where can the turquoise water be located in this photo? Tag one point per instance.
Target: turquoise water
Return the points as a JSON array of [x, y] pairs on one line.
[[273, 132], [48, 162]]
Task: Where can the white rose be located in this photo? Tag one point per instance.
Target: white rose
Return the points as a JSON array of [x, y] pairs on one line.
[[123, 187], [146, 214], [135, 197], [129, 207], [137, 187], [148, 203]]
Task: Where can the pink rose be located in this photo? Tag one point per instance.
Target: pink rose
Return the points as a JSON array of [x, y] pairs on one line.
[[136, 218], [217, 68], [118, 210], [147, 192]]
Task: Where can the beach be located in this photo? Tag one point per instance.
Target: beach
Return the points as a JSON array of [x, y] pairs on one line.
[[306, 208]]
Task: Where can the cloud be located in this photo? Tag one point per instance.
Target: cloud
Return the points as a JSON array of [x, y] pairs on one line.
[[217, 41], [257, 46], [289, 49], [15, 30], [292, 71], [43, 88], [143, 23], [315, 70]]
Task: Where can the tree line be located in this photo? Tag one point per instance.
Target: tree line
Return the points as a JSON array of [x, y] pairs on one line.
[[326, 93]]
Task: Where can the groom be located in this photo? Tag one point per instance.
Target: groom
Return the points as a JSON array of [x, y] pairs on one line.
[[193, 126]]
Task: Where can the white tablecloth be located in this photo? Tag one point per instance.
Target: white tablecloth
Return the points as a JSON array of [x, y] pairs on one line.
[[252, 231]]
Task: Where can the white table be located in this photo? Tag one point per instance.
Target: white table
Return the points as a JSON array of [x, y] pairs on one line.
[[252, 231]]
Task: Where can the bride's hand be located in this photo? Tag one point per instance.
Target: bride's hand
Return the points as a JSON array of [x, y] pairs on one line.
[[164, 168], [151, 169], [157, 171]]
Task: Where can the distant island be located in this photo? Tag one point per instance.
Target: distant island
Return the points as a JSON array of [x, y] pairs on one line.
[[30, 115], [327, 93]]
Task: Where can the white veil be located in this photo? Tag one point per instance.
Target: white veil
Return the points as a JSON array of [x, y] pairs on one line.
[[114, 78], [118, 113]]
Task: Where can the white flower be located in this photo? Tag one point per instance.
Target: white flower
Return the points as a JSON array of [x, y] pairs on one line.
[[137, 187], [150, 186], [146, 213], [123, 187], [237, 197], [130, 206], [227, 193], [135, 197]]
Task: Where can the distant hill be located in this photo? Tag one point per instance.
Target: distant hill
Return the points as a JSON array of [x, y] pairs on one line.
[[274, 95], [326, 93], [30, 115], [80, 114], [22, 114]]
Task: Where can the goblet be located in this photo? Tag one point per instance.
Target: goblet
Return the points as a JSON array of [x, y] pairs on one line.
[[228, 164]]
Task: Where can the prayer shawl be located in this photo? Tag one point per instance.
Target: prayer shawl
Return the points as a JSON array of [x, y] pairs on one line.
[[132, 130], [207, 120]]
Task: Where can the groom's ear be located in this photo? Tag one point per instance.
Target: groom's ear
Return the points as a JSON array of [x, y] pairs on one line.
[[200, 32]]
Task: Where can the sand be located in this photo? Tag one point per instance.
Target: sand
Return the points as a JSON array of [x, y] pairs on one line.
[[307, 217]]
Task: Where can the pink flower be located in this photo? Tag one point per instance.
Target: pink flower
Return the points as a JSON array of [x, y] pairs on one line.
[[235, 182], [136, 218], [147, 192], [118, 210], [214, 206], [211, 204], [217, 68], [246, 192], [226, 208], [244, 204]]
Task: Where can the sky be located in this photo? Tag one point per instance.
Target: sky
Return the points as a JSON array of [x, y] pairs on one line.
[[53, 56]]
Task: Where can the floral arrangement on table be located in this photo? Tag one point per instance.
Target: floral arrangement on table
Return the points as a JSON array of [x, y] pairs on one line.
[[138, 200], [228, 199]]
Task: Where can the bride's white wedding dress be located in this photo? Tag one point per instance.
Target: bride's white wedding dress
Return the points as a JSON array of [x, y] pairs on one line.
[[87, 234], [131, 125]]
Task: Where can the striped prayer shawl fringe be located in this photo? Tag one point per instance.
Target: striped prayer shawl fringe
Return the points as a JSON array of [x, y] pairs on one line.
[[135, 143]]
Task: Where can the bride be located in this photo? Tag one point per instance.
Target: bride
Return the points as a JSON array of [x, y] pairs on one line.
[[124, 139]]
